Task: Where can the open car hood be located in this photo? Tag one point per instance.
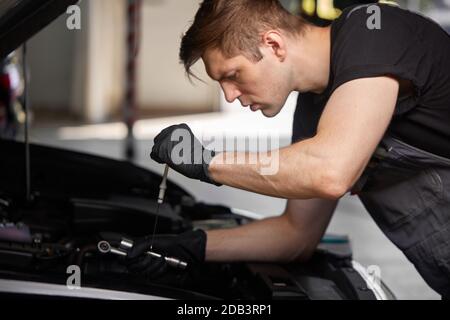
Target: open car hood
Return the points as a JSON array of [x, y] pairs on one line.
[[22, 19], [68, 174]]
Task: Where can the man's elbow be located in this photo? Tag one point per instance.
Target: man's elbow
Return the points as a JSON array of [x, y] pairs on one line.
[[305, 255], [301, 253], [331, 184]]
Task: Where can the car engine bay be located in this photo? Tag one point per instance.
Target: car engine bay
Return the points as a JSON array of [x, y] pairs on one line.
[[75, 197]]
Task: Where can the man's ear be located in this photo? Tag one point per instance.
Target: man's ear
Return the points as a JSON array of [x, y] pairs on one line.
[[276, 42]]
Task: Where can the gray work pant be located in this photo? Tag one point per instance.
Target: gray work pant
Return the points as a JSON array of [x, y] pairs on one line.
[[407, 192]]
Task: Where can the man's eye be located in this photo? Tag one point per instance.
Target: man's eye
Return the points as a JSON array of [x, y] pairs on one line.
[[234, 76]]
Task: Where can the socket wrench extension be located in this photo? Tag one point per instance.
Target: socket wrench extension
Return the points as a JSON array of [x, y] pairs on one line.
[[127, 244], [105, 248], [171, 261]]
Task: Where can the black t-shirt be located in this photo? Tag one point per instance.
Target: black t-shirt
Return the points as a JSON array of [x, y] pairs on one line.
[[408, 46]]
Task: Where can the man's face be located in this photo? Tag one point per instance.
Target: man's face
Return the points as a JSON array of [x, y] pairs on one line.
[[262, 85]]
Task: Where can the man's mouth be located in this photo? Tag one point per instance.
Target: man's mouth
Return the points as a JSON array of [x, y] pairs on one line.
[[255, 107]]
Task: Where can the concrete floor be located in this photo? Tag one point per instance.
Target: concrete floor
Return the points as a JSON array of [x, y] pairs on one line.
[[370, 246]]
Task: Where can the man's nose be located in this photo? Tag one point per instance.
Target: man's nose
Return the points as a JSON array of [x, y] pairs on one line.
[[231, 92]]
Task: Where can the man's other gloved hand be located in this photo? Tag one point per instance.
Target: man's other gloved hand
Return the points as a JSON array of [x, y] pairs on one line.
[[183, 152], [189, 247]]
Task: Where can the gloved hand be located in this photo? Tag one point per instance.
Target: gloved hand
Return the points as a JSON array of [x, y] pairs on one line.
[[192, 163], [189, 247]]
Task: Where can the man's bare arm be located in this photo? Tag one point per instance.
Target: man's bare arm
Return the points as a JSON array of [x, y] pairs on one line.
[[326, 166], [292, 236]]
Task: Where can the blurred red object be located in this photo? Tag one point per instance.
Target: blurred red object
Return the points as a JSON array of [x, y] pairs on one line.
[[10, 92]]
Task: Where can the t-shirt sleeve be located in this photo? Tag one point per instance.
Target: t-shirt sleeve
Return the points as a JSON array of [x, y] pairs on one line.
[[307, 115], [298, 130], [375, 42]]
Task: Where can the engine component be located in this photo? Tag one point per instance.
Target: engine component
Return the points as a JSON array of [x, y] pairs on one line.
[[15, 232], [105, 247]]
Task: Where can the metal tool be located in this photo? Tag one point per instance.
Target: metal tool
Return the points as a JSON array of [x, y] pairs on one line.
[[162, 193], [173, 262], [163, 185], [105, 247], [26, 105], [127, 244]]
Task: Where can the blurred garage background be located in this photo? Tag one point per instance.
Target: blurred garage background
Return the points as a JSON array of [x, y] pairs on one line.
[[78, 89]]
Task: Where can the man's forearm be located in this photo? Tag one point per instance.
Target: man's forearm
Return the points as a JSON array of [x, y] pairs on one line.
[[303, 172], [271, 239]]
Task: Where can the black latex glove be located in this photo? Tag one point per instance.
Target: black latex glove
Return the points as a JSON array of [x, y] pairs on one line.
[[189, 247], [188, 163]]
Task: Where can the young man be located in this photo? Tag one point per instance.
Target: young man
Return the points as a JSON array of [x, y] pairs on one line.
[[373, 117]]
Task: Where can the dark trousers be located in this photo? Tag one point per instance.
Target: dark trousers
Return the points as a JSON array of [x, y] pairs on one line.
[[407, 192]]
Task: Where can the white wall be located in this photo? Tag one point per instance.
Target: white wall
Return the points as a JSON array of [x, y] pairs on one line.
[[162, 82], [83, 71], [103, 52], [80, 71]]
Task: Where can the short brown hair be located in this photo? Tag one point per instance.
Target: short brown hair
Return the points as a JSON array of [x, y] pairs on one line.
[[234, 26]]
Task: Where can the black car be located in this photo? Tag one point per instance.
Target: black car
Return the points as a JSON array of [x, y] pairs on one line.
[[49, 234]]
